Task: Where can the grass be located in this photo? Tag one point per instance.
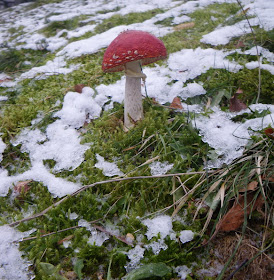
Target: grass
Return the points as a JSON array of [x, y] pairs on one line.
[[60, 247]]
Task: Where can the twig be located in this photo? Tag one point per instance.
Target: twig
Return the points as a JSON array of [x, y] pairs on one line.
[[100, 228], [100, 183], [51, 233], [237, 269]]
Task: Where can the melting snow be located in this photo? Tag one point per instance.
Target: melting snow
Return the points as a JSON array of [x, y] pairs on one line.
[[159, 225], [229, 138], [12, 265], [159, 168], [135, 255], [182, 271], [2, 148], [109, 168], [186, 236]]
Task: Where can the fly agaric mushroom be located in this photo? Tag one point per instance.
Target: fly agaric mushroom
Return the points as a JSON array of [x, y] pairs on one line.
[[129, 51]]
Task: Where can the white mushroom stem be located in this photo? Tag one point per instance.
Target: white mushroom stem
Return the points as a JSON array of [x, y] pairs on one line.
[[133, 107]]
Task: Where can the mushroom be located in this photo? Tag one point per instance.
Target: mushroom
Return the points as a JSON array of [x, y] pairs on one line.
[[129, 51]]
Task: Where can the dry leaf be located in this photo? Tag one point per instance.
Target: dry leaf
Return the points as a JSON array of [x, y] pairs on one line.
[[252, 186], [78, 88], [65, 239], [5, 80], [70, 275], [240, 44], [176, 103], [22, 187], [184, 26], [239, 91], [235, 104], [245, 11], [234, 218], [269, 132]]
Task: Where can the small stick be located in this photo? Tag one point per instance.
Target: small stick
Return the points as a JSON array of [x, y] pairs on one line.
[[100, 183], [237, 269]]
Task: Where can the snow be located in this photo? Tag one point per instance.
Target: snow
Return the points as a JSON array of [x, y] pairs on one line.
[[60, 142], [12, 265], [79, 108], [186, 236], [55, 67], [159, 225], [182, 271], [262, 10], [229, 138], [109, 168], [159, 168], [2, 149], [255, 64], [156, 246], [135, 255], [223, 35]]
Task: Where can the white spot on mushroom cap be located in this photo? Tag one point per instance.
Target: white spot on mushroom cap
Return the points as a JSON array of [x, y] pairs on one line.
[[115, 56], [136, 52]]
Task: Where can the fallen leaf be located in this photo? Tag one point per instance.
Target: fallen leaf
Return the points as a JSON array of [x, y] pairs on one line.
[[269, 132], [269, 179], [5, 80], [243, 12], [184, 26], [176, 103], [79, 87], [240, 44], [235, 216], [250, 187], [239, 91], [22, 187], [65, 239], [70, 275], [235, 104]]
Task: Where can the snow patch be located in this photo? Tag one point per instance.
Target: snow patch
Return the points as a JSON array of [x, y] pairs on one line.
[[159, 225], [186, 236], [109, 168], [2, 149], [12, 265], [159, 168]]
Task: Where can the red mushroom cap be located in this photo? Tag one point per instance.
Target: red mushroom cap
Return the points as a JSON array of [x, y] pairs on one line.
[[132, 45]]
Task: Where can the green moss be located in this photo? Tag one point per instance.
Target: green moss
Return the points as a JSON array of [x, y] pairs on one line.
[[189, 38], [127, 19], [14, 160], [215, 80], [53, 27]]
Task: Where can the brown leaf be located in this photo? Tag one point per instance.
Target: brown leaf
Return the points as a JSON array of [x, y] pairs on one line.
[[78, 88], [65, 239], [186, 25], [235, 104], [5, 80], [250, 187], [269, 132], [234, 218], [239, 91], [240, 44], [176, 103], [22, 187]]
